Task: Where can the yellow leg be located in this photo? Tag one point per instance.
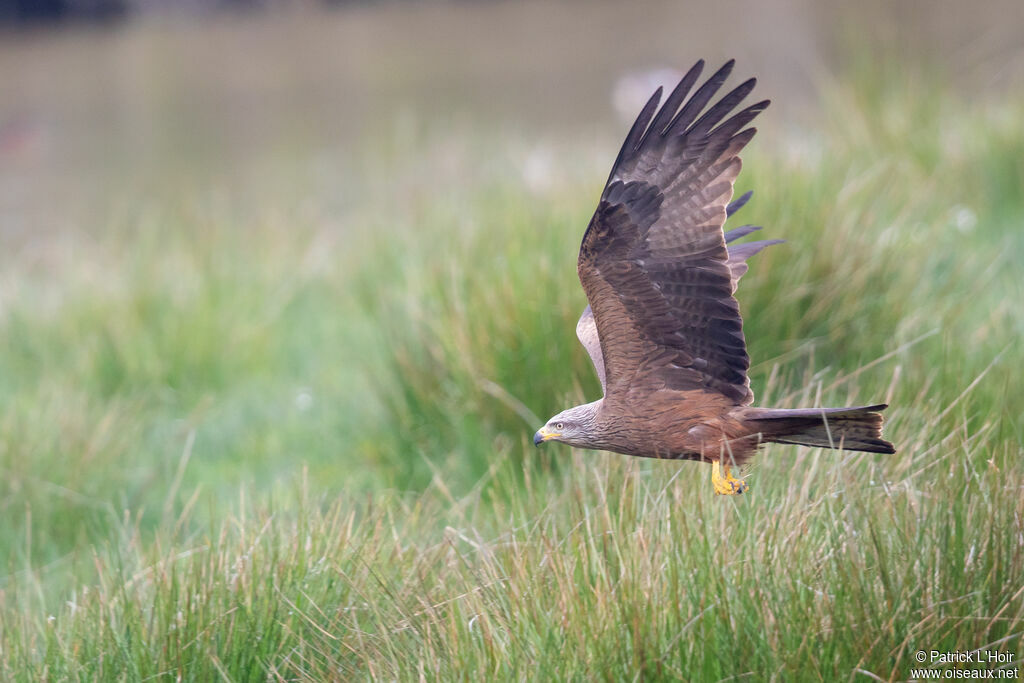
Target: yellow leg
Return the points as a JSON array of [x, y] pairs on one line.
[[726, 485]]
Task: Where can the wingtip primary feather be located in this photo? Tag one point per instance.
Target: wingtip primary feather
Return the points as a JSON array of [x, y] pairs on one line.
[[737, 204], [637, 132], [700, 99], [742, 231], [723, 107], [663, 119]]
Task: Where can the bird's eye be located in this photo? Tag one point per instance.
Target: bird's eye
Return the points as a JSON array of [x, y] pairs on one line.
[[560, 426]]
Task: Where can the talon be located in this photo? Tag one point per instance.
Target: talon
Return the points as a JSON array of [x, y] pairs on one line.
[[726, 485]]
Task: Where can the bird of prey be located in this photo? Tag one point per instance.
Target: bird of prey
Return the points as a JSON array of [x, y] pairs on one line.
[[662, 325]]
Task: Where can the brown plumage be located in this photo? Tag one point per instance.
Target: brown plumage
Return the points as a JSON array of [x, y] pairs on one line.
[[662, 326]]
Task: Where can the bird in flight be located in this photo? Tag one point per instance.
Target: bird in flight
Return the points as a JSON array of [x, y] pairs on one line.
[[662, 325]]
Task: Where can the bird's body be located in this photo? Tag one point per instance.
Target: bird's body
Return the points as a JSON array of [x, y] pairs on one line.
[[670, 424], [662, 325]]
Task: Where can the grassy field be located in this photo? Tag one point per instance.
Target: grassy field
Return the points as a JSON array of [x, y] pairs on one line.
[[293, 442]]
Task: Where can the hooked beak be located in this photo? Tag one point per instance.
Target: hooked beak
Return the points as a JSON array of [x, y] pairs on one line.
[[544, 435]]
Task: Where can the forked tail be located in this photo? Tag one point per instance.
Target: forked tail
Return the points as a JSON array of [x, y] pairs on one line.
[[852, 429]]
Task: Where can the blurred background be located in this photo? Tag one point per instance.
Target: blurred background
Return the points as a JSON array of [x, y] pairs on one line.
[[259, 260], [231, 230], [232, 225], [109, 102]]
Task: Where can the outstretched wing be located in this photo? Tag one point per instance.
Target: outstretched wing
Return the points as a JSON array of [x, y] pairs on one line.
[[653, 261], [586, 327]]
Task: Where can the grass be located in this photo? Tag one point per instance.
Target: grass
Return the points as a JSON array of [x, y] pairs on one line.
[[292, 443]]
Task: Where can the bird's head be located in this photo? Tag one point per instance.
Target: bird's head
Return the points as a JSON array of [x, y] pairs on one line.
[[570, 426]]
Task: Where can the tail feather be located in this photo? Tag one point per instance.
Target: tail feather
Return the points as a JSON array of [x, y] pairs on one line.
[[852, 429]]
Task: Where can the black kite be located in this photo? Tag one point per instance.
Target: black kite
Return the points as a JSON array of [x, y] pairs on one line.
[[662, 326]]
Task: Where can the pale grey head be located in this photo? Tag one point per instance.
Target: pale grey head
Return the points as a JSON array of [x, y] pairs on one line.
[[576, 426]]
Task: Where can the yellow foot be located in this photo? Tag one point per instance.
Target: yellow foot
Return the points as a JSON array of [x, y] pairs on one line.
[[727, 485]]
